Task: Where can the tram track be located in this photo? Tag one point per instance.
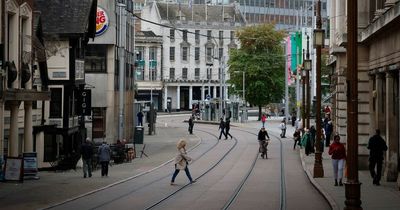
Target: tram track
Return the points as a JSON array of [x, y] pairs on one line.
[[250, 170]]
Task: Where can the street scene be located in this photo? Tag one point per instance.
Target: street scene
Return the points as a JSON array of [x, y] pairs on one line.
[[199, 104]]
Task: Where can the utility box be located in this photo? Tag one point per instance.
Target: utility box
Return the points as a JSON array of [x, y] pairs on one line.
[[138, 137]]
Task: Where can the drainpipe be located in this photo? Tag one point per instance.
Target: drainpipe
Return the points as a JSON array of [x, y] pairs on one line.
[[121, 55]]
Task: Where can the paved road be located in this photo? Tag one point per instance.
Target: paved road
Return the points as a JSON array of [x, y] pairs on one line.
[[219, 167]]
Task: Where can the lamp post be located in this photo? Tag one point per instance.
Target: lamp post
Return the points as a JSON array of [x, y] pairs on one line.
[[308, 67], [318, 43], [352, 184], [244, 116]]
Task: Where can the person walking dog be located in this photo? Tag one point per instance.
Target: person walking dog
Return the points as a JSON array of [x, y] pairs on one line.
[[181, 161]]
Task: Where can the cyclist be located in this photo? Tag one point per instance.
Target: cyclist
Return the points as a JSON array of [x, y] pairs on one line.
[[263, 139]]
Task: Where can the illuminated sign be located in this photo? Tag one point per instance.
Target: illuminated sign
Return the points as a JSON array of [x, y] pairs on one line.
[[102, 21]]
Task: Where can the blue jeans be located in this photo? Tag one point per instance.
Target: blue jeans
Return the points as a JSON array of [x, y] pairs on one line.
[[87, 167], [177, 171]]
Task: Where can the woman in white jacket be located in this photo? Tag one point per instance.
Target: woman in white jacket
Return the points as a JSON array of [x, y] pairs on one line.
[[181, 161]]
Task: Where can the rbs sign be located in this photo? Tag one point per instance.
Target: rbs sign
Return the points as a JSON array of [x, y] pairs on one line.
[[85, 102]]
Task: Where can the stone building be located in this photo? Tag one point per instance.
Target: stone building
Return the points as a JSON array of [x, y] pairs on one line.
[[104, 74], [196, 40], [378, 75]]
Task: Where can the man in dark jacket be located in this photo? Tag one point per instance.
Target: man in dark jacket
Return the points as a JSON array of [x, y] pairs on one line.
[[262, 141], [228, 127], [222, 128], [376, 146], [87, 153], [191, 124]]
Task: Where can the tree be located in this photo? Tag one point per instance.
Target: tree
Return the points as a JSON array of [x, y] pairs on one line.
[[261, 58]]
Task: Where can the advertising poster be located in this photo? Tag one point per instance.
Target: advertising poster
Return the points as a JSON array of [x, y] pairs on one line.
[[30, 165], [13, 169]]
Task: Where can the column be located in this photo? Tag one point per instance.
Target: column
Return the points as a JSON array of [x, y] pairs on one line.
[[379, 112], [214, 92], [165, 98], [202, 92], [13, 140], [392, 138], [178, 98], [28, 136], [190, 96], [372, 98]]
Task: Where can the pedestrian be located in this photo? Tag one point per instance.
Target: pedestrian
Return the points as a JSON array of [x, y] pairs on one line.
[[296, 138], [140, 118], [328, 128], [191, 124], [182, 161], [263, 119], [228, 127], [313, 132], [293, 119], [282, 126], [87, 154], [306, 141], [104, 153], [338, 153], [222, 128], [262, 141], [376, 146]]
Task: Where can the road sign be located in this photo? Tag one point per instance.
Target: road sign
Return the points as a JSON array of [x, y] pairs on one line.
[[208, 97]]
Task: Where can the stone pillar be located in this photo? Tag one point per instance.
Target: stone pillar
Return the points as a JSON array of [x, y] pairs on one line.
[[190, 96], [392, 137], [214, 92], [340, 16], [372, 98], [165, 98], [28, 130], [13, 140], [178, 98], [380, 112], [202, 92]]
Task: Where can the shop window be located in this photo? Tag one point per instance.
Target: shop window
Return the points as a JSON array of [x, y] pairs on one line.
[[56, 103], [99, 122]]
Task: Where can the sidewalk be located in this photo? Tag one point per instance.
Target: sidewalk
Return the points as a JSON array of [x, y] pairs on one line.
[[55, 187], [383, 197]]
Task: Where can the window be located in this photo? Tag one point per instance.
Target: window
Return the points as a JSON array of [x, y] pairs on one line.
[[209, 73], [232, 35], [209, 35], [56, 103], [171, 53], [219, 73], [99, 122], [152, 53], [209, 55], [184, 53], [197, 53], [171, 73], [220, 53], [153, 63], [140, 64], [185, 32], [197, 73], [172, 34], [95, 58], [221, 35], [184, 73], [197, 36]]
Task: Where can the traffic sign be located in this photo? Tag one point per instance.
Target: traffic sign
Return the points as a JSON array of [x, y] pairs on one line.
[[208, 97]]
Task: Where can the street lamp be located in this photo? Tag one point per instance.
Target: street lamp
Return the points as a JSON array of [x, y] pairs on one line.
[[352, 184], [318, 37], [244, 94], [307, 69]]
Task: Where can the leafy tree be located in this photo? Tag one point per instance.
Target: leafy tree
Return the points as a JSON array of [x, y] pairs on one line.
[[261, 58]]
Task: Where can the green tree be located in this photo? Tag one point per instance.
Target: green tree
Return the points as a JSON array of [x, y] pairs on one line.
[[261, 58]]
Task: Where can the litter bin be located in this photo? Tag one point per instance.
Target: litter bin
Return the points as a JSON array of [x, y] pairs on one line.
[[138, 137]]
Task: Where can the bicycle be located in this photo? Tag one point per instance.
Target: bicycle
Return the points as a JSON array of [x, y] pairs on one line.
[[263, 148]]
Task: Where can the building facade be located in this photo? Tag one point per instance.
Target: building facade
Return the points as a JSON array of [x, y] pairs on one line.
[[21, 92], [196, 41], [114, 43], [378, 76]]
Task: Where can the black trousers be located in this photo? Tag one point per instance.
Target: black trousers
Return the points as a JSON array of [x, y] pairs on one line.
[[375, 175], [227, 132], [222, 132], [104, 168]]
